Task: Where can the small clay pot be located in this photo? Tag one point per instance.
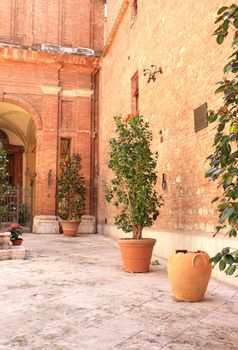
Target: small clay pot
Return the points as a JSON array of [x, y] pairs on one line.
[[17, 241]]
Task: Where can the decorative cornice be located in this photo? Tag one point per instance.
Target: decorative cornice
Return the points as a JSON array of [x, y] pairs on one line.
[[87, 64]]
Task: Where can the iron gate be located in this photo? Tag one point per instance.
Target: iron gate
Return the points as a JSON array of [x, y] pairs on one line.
[[17, 206]]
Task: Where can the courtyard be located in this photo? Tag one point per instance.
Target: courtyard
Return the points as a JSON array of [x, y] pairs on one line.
[[72, 294]]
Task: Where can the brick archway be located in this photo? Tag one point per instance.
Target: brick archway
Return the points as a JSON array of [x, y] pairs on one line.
[[21, 102], [19, 122]]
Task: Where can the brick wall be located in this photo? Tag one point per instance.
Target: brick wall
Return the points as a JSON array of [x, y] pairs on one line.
[[73, 23], [56, 92], [178, 37], [113, 7]]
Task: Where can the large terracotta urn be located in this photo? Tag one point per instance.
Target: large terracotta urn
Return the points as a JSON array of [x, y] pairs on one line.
[[189, 274], [136, 253]]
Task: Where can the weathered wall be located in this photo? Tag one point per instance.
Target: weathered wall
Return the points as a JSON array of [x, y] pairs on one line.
[[112, 11], [178, 37], [73, 23]]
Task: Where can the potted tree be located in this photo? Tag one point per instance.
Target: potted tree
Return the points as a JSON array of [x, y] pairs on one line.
[[132, 188], [71, 194], [224, 159]]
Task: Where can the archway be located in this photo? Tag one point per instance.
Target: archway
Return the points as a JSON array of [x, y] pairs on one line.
[[17, 134]]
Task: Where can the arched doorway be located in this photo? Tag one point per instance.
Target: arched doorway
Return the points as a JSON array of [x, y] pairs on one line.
[[17, 135]]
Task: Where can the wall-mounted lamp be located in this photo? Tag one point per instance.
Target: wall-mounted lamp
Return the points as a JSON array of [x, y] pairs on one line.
[[152, 72]]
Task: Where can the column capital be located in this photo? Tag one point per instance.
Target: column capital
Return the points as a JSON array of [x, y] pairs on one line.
[[82, 92], [50, 89]]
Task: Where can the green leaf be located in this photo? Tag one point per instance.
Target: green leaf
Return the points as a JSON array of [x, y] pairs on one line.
[[229, 259], [226, 67], [236, 22], [233, 233], [235, 42], [220, 18], [233, 128], [220, 38], [217, 257], [230, 270], [220, 89], [228, 179], [226, 214], [222, 265], [225, 25], [221, 127], [222, 9], [212, 117], [215, 199], [222, 206], [232, 220], [234, 193]]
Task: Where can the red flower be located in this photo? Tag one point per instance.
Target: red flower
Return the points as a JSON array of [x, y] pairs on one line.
[[13, 227], [129, 116]]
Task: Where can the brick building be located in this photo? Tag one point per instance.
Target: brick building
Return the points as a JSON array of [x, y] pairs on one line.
[[49, 60], [176, 36], [61, 84]]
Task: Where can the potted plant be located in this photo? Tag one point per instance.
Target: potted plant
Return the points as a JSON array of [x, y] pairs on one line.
[[224, 159], [132, 188], [16, 234], [71, 194], [4, 184]]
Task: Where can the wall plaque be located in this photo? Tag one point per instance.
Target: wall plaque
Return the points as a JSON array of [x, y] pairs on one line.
[[200, 117]]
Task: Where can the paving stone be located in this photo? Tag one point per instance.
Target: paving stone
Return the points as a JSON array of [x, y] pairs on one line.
[[72, 294], [12, 253]]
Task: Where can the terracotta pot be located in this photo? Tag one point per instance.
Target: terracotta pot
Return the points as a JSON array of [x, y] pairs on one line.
[[70, 227], [17, 241], [136, 254], [189, 274]]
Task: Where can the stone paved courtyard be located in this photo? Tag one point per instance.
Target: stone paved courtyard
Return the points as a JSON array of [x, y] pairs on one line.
[[71, 294]]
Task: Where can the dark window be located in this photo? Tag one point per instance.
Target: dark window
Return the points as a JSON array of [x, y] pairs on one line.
[[135, 94], [134, 8], [64, 148]]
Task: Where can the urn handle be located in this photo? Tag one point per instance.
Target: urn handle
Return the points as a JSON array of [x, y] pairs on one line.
[[199, 255]]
